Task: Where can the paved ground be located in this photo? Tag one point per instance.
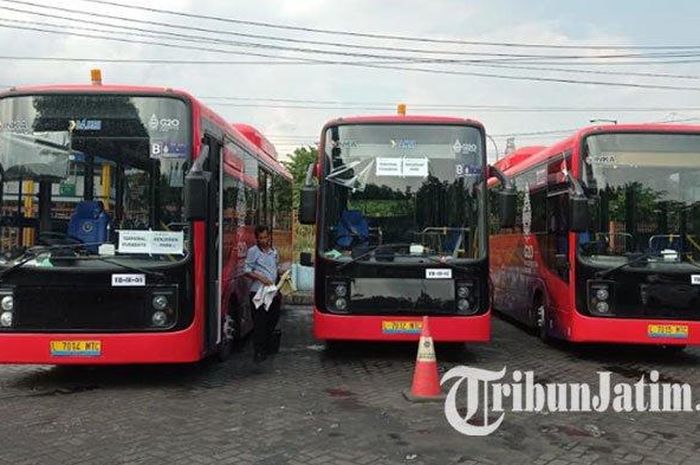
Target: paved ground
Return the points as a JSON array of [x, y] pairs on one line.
[[344, 407]]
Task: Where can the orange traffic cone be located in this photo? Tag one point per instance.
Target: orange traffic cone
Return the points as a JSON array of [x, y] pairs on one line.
[[426, 386]]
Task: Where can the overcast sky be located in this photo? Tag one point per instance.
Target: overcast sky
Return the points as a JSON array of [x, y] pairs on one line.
[[362, 90]]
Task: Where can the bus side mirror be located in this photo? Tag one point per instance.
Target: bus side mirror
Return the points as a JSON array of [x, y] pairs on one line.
[[196, 196], [307, 205], [307, 197], [506, 207], [579, 214], [196, 188]]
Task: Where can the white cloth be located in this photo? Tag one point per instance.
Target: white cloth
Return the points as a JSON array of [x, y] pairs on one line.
[[265, 296]]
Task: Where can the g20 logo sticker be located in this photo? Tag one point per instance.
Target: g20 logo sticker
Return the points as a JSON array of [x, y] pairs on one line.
[[464, 148], [163, 124]]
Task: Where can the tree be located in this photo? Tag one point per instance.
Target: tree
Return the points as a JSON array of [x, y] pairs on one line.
[[298, 164]]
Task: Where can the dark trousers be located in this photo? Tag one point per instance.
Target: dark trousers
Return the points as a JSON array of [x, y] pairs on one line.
[[264, 323]]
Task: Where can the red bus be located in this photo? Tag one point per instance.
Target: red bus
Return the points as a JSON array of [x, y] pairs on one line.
[[401, 229], [126, 214], [605, 246]]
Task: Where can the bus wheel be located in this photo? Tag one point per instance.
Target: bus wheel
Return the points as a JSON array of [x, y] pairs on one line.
[[228, 330], [541, 319]]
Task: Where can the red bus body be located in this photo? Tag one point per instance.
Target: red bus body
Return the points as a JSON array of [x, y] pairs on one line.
[[203, 336], [371, 326], [526, 272]]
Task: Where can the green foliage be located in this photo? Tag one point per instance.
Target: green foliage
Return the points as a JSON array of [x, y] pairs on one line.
[[297, 165]]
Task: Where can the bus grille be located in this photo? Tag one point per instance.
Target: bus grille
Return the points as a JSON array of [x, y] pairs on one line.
[[81, 309]]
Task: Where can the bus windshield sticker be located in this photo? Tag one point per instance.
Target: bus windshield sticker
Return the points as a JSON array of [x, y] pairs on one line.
[[415, 167], [151, 242], [464, 148], [405, 144], [124, 280], [165, 149], [389, 166], [438, 273], [463, 170], [695, 279], [606, 160], [402, 167]]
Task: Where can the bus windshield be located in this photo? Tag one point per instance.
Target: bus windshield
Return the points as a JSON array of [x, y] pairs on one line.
[[417, 189], [646, 196], [81, 170]]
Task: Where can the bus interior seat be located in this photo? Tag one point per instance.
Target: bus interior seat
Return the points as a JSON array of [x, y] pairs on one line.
[[90, 224], [352, 229]]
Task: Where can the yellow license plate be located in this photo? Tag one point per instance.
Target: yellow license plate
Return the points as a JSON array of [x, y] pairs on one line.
[[76, 348], [673, 331], [402, 327]]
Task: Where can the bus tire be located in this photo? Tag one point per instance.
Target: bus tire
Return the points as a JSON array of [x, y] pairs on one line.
[[230, 330], [541, 318]]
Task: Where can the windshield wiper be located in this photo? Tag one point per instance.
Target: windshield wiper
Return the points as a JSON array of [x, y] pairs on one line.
[[134, 268], [640, 258], [26, 256], [35, 252], [451, 265], [371, 251]]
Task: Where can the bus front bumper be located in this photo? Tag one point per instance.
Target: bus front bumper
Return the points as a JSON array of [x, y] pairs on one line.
[[401, 328], [634, 331], [99, 348]]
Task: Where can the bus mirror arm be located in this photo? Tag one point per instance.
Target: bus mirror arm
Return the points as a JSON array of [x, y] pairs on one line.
[[196, 188], [506, 198], [308, 198]]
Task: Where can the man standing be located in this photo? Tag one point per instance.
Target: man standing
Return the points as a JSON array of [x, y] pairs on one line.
[[261, 266]]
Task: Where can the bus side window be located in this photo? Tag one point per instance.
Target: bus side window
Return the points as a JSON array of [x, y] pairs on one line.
[[557, 248], [266, 197]]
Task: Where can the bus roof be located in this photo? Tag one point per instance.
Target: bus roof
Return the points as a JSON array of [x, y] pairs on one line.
[[399, 119], [526, 157], [244, 133]]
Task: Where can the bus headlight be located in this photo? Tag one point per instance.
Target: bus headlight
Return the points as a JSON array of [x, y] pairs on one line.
[[160, 302], [463, 292], [463, 305], [467, 298], [341, 290], [159, 318], [338, 295], [6, 319], [7, 303], [602, 294], [341, 303], [600, 297], [164, 306]]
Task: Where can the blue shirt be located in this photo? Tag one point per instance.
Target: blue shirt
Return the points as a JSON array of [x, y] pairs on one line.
[[263, 263]]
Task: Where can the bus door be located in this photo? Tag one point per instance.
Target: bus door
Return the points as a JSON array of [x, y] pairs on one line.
[[213, 258]]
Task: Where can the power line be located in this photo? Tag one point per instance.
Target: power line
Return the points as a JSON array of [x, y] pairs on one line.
[[374, 66], [225, 32], [302, 62], [504, 57], [384, 36]]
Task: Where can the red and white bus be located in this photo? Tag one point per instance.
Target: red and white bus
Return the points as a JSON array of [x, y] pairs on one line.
[[401, 229], [126, 214], [606, 244]]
